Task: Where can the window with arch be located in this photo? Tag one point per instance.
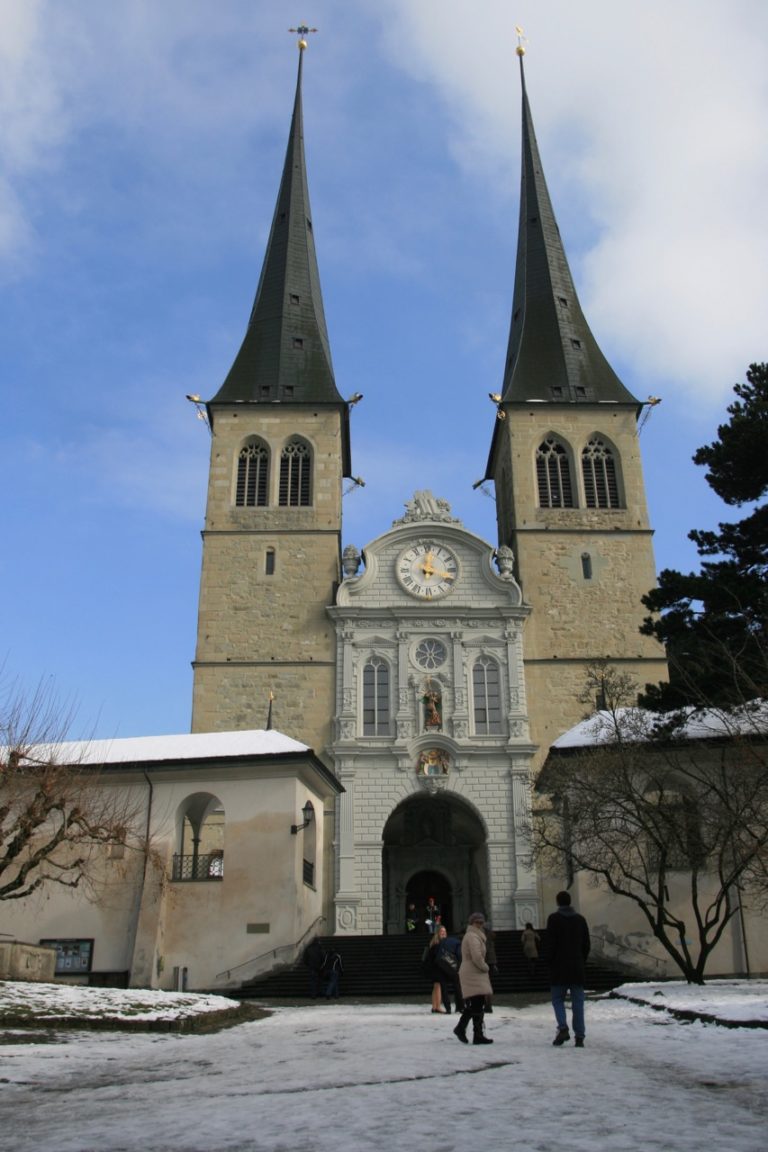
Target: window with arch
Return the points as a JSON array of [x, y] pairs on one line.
[[376, 710], [553, 474], [598, 467], [252, 485], [295, 475], [200, 854], [486, 696]]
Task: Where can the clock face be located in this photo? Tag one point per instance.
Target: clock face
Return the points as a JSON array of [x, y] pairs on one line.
[[427, 570]]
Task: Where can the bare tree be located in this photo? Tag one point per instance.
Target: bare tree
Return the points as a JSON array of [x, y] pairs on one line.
[[669, 812], [56, 813]]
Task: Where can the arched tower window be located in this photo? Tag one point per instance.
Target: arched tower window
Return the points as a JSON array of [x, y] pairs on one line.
[[486, 696], [376, 698], [598, 466], [553, 474], [296, 475], [252, 486]]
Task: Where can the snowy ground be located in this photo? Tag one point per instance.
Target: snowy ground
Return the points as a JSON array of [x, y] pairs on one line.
[[348, 1077]]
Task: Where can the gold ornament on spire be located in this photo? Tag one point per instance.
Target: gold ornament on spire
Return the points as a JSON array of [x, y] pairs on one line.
[[302, 31], [522, 40]]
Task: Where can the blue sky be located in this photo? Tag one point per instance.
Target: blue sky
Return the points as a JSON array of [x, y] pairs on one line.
[[140, 153]]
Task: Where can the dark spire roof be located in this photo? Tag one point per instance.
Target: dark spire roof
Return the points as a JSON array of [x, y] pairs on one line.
[[285, 355], [552, 354]]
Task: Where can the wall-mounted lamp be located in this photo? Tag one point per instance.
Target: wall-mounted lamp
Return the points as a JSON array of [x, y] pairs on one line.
[[308, 813]]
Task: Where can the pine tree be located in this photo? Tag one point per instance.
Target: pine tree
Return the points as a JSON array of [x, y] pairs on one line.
[[713, 622]]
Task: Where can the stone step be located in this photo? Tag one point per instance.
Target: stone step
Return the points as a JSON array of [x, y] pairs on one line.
[[391, 966]]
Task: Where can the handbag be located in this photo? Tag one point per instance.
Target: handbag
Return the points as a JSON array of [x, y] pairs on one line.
[[448, 964]]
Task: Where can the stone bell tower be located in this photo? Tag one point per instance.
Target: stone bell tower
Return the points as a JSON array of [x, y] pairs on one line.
[[565, 461], [272, 536]]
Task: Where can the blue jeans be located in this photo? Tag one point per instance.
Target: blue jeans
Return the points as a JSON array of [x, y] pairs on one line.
[[559, 992]]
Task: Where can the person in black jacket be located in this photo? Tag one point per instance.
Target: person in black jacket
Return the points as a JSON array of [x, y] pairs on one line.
[[314, 959], [567, 948]]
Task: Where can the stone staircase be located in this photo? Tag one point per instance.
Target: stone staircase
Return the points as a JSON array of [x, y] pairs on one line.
[[390, 966]]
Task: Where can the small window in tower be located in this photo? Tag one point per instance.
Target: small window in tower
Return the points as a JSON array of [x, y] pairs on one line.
[[264, 391], [581, 393], [295, 475], [309, 224], [288, 391], [294, 299], [586, 565], [534, 220], [252, 481], [298, 342], [282, 217], [553, 475], [562, 301], [269, 562], [598, 468], [576, 343], [557, 392]]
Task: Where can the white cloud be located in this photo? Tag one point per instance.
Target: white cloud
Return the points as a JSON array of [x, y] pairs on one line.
[[650, 117]]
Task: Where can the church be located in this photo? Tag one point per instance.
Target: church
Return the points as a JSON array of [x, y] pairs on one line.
[[429, 671]]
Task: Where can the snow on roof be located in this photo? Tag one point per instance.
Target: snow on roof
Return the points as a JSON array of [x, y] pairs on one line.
[[639, 725], [188, 746]]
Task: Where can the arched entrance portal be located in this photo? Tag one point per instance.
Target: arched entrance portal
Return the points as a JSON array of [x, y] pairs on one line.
[[434, 846]]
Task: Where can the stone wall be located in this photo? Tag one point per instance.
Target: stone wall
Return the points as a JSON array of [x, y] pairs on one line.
[[19, 961]]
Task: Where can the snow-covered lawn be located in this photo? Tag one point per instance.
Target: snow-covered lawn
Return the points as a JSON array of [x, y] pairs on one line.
[[347, 1077], [50, 1002]]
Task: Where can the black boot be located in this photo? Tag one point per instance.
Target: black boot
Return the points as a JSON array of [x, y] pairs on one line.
[[479, 1036], [461, 1028]]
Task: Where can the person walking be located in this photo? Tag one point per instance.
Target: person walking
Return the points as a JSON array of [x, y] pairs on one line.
[[314, 960], [432, 969], [567, 948], [448, 962], [474, 980], [492, 962], [530, 940], [332, 972]]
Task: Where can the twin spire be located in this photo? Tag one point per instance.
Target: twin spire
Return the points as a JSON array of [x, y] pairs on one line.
[[285, 355], [552, 354]]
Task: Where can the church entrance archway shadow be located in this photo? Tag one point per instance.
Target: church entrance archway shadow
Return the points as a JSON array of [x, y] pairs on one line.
[[433, 846]]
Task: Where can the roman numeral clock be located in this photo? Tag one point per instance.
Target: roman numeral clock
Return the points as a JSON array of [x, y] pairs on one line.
[[427, 570]]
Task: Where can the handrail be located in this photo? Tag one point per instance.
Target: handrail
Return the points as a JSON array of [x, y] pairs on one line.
[[296, 946]]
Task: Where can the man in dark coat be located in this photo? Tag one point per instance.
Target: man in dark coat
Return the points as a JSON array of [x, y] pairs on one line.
[[566, 949], [315, 958]]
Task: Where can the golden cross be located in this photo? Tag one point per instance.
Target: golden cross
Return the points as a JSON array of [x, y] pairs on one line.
[[522, 40], [302, 31]]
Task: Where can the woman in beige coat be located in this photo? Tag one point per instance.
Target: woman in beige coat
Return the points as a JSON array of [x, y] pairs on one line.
[[475, 981]]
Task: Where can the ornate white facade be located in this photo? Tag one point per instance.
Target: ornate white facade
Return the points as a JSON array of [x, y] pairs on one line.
[[431, 737]]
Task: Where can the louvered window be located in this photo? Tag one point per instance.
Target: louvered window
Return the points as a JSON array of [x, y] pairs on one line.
[[553, 475], [296, 475], [251, 490], [601, 488]]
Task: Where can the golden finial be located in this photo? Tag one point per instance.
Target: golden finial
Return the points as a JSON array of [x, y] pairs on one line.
[[522, 40], [302, 31]]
